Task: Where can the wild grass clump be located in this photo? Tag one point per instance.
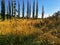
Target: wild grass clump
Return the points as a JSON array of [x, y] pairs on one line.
[[30, 32]]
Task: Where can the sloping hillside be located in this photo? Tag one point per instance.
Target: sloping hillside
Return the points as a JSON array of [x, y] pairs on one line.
[[30, 32]]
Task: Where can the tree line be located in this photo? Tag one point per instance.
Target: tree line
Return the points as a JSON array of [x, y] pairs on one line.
[[11, 9]]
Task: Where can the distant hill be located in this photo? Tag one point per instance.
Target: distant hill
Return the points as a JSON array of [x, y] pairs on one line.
[[57, 14]]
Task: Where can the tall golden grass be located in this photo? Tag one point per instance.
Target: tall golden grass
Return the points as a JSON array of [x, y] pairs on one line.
[[45, 30]]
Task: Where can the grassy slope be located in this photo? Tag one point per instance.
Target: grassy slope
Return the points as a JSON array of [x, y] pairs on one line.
[[30, 32]]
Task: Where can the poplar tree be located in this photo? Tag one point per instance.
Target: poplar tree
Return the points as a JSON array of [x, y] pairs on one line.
[[29, 9], [3, 9], [18, 8], [42, 12], [12, 7], [7, 12], [9, 4], [23, 8], [37, 9], [33, 13]]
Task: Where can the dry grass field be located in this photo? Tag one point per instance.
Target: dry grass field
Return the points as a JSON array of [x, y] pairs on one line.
[[30, 32]]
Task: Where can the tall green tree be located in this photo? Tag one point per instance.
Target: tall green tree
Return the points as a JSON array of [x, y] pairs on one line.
[[9, 4], [33, 13], [3, 9], [29, 9], [14, 8], [18, 8], [37, 9], [7, 12], [23, 8], [42, 11]]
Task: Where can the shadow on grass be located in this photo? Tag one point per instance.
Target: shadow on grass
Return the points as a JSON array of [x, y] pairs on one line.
[[21, 40], [17, 40]]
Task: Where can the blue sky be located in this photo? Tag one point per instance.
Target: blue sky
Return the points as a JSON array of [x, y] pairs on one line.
[[50, 6]]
